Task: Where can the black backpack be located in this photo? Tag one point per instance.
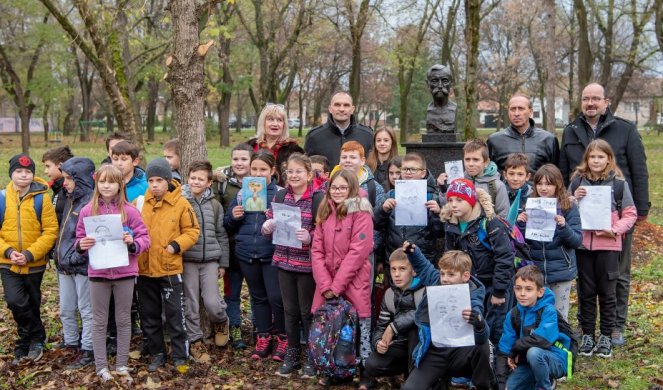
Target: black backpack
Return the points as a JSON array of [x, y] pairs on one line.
[[563, 326], [617, 187], [315, 203]]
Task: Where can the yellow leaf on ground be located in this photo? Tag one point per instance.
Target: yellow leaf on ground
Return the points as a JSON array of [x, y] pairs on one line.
[[151, 384], [135, 355]]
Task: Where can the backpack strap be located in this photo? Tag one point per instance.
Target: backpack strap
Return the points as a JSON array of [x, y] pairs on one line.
[[515, 321], [37, 203], [371, 192], [419, 296], [317, 200], [492, 190], [482, 234], [280, 196], [216, 206], [388, 300], [618, 186], [3, 206]]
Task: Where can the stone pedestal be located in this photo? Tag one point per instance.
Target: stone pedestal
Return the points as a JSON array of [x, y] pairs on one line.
[[436, 149]]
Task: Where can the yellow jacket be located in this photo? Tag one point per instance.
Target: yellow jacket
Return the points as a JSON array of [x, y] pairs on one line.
[[22, 231], [170, 220]]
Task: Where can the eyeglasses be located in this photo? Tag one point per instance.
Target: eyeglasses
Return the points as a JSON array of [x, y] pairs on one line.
[[593, 99], [338, 189], [411, 170], [281, 106], [298, 172]]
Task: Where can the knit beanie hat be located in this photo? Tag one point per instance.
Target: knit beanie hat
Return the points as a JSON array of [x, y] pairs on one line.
[[463, 189], [159, 167], [21, 161]]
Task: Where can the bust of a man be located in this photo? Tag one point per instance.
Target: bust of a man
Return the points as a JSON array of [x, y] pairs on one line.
[[441, 115]]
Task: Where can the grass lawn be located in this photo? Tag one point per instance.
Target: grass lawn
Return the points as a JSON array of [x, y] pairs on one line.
[[638, 365]]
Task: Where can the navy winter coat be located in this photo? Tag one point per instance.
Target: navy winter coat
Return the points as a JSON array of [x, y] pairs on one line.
[[67, 259]]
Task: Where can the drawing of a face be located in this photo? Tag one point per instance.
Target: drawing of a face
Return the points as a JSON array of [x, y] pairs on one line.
[[102, 233], [455, 323], [255, 186], [537, 218], [441, 309]]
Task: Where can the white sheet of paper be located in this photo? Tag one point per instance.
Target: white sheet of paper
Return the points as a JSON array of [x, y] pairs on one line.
[[288, 220], [596, 208], [445, 310], [454, 170], [109, 251], [411, 203], [541, 223]]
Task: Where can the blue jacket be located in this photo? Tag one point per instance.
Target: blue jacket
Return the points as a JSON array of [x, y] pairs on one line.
[[430, 276], [137, 185], [423, 236], [67, 259], [250, 244], [493, 267], [516, 342], [557, 259]]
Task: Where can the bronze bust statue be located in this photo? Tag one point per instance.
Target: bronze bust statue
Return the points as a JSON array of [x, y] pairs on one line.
[[441, 116]]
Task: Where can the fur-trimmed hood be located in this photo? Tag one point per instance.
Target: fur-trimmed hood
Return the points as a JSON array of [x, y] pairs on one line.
[[483, 202], [357, 204]]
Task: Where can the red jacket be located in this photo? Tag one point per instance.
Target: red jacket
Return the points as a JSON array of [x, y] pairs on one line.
[[340, 256]]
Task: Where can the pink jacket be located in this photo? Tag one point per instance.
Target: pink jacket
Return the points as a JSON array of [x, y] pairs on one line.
[[620, 226], [340, 256], [137, 227]]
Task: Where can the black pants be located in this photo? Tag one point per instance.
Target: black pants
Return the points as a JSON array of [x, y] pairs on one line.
[[152, 293], [397, 360], [623, 288], [468, 362], [297, 291], [263, 281], [597, 276], [23, 296]]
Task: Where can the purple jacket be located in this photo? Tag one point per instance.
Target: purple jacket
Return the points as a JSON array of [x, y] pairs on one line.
[[134, 222]]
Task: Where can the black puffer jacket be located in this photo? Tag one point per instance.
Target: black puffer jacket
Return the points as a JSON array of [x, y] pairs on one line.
[[626, 143], [327, 139], [212, 244], [539, 145], [402, 320], [493, 267], [67, 259], [423, 236]]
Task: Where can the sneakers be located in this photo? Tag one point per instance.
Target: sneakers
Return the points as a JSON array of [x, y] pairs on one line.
[[236, 337], [181, 365], [19, 354], [281, 346], [617, 338], [291, 364], [105, 375], [465, 383], [221, 333], [197, 350], [124, 372], [66, 347], [84, 359], [263, 346], [36, 351], [604, 347], [158, 360], [586, 345], [308, 371]]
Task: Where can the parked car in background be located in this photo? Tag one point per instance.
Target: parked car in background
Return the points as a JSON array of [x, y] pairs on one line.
[[294, 123]]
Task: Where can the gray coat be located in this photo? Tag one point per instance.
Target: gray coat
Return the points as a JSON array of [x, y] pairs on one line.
[[212, 244]]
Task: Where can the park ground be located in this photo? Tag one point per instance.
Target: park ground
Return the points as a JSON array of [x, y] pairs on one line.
[[637, 365]]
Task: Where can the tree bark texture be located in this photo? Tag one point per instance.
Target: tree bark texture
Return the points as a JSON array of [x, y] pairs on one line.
[[472, 33], [550, 65]]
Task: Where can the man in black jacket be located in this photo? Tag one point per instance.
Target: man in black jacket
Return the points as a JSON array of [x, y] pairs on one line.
[[341, 127], [522, 136], [597, 121]]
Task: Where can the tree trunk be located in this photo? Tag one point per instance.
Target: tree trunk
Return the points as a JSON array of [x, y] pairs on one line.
[[152, 102], [24, 113], [585, 57], [186, 77], [44, 119], [472, 32], [550, 66]]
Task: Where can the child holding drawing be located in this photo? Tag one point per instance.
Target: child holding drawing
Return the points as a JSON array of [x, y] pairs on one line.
[[556, 259], [254, 253], [109, 198], [598, 259], [294, 264]]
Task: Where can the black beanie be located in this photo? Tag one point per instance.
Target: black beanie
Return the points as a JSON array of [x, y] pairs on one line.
[[159, 167], [21, 161]]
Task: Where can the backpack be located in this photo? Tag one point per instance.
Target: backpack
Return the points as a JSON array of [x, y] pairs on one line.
[[317, 199], [389, 300], [332, 347], [564, 327], [492, 189], [37, 204], [617, 186], [521, 252]]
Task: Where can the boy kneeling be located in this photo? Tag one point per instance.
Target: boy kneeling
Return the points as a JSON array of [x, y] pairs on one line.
[[395, 334], [533, 352], [434, 363]]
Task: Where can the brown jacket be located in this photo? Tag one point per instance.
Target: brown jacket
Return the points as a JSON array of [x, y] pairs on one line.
[[170, 221]]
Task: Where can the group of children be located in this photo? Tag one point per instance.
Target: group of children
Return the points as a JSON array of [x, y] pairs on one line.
[[181, 238]]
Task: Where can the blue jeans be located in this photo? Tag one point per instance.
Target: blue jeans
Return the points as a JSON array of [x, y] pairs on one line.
[[537, 373], [233, 279]]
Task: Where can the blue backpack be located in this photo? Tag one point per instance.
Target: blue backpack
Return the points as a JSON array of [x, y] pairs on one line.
[[331, 341], [37, 204]]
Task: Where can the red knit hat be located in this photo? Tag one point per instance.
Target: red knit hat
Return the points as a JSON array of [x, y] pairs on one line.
[[463, 189]]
